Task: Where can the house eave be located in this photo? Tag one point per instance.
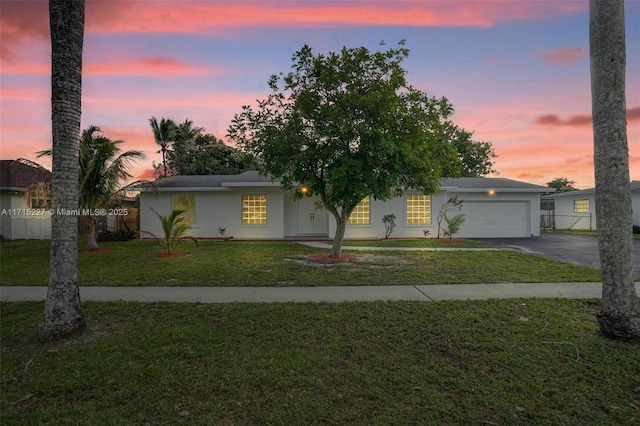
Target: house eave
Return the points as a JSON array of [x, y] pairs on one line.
[[498, 190], [13, 189], [251, 184], [186, 189]]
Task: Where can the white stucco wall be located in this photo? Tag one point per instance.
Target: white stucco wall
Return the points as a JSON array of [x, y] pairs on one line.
[[397, 206], [486, 216], [18, 222], [215, 209], [508, 214], [567, 218]]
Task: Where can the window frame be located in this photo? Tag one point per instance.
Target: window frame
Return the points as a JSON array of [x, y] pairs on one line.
[[582, 206], [421, 199], [359, 212], [190, 213], [249, 217]]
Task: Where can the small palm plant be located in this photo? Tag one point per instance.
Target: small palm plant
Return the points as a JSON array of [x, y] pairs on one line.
[[174, 229], [453, 224]]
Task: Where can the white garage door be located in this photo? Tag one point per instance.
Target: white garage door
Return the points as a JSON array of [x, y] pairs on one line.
[[495, 219]]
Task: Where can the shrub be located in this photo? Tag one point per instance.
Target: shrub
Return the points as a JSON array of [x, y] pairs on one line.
[[389, 221], [121, 235]]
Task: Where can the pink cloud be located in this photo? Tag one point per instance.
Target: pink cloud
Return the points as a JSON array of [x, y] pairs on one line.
[[19, 22], [25, 94], [146, 174], [209, 16], [633, 114], [579, 120], [564, 56], [153, 67], [24, 20]]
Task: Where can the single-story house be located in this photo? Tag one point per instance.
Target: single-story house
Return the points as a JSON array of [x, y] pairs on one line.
[[577, 209], [19, 219], [30, 219], [251, 206]]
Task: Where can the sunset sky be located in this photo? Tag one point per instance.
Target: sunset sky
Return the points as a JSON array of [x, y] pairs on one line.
[[516, 72]]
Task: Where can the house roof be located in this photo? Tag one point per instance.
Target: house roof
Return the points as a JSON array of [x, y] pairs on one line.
[[212, 182], [634, 187], [480, 184], [18, 176], [253, 178]]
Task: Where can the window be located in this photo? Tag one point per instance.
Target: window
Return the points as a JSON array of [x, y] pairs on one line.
[[361, 214], [581, 206], [254, 209], [186, 203], [418, 209], [39, 195]]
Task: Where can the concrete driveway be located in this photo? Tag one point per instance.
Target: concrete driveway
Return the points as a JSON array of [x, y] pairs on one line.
[[578, 249]]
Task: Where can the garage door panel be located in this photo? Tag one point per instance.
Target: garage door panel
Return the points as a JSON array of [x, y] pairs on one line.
[[495, 219]]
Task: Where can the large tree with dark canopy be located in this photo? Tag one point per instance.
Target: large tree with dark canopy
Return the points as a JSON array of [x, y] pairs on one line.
[[348, 125], [205, 154]]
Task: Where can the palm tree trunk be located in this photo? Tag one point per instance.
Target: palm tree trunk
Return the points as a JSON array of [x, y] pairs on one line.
[[62, 313], [91, 223], [620, 314]]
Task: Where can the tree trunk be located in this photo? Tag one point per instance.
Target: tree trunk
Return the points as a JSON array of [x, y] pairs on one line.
[[341, 225], [91, 223], [62, 313], [620, 314]]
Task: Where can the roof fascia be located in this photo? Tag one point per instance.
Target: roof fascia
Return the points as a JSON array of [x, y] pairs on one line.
[[186, 189], [245, 184]]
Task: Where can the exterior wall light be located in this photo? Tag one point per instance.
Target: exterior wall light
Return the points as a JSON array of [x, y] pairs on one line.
[[491, 192], [303, 189]]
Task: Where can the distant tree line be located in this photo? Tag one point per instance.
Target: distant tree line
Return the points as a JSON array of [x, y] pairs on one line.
[[188, 150]]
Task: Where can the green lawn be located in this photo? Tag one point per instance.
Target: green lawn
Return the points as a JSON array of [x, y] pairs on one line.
[[280, 264], [482, 362]]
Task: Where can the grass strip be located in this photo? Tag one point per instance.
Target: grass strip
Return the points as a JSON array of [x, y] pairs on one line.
[[527, 361], [280, 264]]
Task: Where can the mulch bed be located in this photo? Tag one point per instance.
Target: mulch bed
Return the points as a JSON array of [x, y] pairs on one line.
[[169, 255], [324, 258], [96, 251]]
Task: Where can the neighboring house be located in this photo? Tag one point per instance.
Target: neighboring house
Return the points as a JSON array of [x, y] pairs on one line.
[[577, 209], [22, 219], [19, 220], [250, 206]]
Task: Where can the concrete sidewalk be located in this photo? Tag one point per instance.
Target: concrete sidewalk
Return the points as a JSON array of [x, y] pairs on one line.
[[321, 245], [319, 294]]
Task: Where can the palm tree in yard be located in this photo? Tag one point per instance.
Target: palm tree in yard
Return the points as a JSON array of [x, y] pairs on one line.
[[103, 168], [186, 132], [164, 133], [620, 312], [62, 313]]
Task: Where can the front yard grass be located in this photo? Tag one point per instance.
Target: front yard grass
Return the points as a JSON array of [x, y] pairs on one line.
[[280, 264], [526, 361]]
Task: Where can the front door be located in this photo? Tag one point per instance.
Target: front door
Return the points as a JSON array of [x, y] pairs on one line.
[[311, 221]]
